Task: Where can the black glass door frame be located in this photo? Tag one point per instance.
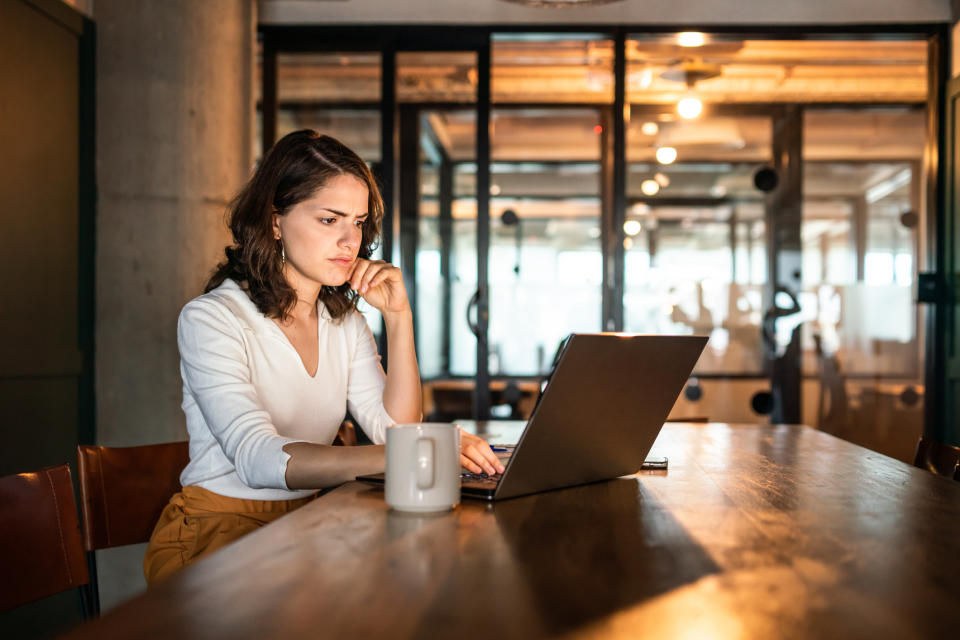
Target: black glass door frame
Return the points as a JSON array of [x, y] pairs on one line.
[[783, 223], [408, 175], [388, 40], [938, 286], [399, 188], [411, 133], [782, 220]]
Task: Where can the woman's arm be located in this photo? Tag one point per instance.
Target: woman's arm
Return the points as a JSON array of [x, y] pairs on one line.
[[216, 371], [381, 285], [402, 395], [316, 466], [313, 466]]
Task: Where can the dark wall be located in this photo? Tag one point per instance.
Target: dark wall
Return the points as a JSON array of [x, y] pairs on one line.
[[46, 194], [42, 355]]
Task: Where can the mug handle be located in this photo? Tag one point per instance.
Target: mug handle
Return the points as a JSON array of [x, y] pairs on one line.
[[425, 458]]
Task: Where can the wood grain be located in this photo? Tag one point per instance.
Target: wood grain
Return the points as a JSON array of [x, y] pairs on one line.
[[753, 532]]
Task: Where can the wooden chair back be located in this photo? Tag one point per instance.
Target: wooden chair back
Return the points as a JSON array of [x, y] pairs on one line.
[[937, 457], [124, 489], [41, 552]]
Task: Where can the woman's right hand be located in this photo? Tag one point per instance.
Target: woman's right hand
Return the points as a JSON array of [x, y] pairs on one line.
[[381, 285], [476, 455]]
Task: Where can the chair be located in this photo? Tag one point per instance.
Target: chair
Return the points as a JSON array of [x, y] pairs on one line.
[[41, 553], [451, 404], [509, 397], [346, 435], [937, 457], [123, 490]]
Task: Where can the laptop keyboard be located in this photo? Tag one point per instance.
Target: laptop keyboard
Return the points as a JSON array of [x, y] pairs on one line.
[[480, 478]]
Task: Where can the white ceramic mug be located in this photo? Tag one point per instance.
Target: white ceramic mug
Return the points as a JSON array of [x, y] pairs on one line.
[[423, 466]]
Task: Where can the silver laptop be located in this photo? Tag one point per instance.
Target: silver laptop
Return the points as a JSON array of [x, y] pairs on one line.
[[598, 415]]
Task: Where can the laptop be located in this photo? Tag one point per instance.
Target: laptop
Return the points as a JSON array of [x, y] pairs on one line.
[[597, 416]]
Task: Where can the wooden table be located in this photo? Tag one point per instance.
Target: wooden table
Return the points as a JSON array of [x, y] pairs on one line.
[[753, 532]]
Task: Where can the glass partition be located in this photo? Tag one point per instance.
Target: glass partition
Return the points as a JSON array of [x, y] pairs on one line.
[[551, 68], [699, 232], [545, 255], [695, 240], [331, 77], [727, 68], [334, 93], [436, 76], [446, 262], [357, 128], [863, 213]]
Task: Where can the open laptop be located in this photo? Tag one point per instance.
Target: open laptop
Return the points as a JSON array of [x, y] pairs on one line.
[[597, 417]]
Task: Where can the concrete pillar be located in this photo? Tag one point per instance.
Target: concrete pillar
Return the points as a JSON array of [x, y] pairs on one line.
[[174, 144]]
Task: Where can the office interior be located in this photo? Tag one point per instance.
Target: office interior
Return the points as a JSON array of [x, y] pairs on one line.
[[778, 179]]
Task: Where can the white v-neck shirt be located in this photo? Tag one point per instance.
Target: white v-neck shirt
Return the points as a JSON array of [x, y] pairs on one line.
[[246, 393]]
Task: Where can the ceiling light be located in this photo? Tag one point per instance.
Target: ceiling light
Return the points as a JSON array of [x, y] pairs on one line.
[[632, 227], [646, 78], [662, 179], [649, 187], [691, 39], [649, 128], [691, 71], [494, 189], [666, 155], [689, 108]]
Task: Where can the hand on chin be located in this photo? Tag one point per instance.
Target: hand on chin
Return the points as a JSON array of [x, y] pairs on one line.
[[380, 284]]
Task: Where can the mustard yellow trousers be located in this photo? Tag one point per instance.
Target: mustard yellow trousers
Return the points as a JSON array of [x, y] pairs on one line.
[[197, 522]]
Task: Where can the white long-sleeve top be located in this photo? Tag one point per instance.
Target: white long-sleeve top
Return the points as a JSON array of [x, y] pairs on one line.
[[246, 393]]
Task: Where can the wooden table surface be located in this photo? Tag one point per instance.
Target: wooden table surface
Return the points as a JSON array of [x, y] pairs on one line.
[[753, 532]]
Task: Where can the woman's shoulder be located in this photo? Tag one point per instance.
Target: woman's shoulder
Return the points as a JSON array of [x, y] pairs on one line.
[[346, 321], [355, 320], [227, 302], [352, 325]]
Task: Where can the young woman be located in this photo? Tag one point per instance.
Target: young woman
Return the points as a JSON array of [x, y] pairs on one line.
[[275, 353]]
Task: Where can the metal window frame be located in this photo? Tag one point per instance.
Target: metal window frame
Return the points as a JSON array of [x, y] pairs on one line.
[[389, 39]]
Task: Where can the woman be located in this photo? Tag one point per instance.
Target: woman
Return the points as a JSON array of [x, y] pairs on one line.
[[274, 354]]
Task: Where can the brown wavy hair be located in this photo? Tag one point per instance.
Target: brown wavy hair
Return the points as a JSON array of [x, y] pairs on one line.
[[293, 170]]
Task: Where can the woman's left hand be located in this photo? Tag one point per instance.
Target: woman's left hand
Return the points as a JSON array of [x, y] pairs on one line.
[[380, 284], [477, 456]]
